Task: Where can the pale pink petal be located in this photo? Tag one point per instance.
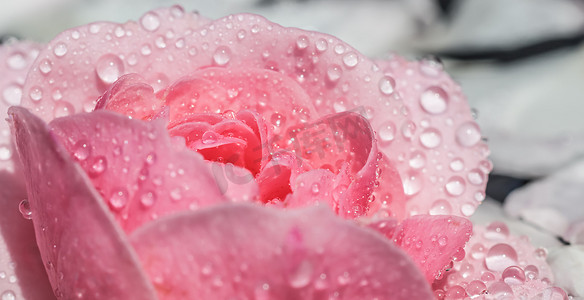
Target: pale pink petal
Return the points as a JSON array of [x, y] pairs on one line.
[[132, 96], [15, 60], [499, 264], [250, 252], [433, 241], [134, 166], [81, 63], [85, 252], [444, 166], [21, 267]]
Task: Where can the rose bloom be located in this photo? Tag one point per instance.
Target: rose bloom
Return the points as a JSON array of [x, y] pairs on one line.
[[179, 157]]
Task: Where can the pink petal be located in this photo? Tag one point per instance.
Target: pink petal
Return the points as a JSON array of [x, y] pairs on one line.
[[250, 252], [433, 241], [132, 96], [23, 273], [133, 164], [497, 262], [15, 59], [79, 241], [445, 165], [81, 63]]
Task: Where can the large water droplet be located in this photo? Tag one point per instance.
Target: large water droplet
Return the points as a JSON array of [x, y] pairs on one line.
[[441, 207], [500, 257], [500, 290], [431, 138], [513, 275], [209, 137], [63, 109], [412, 184], [24, 208], [60, 49], [36, 93], [408, 129], [302, 276], [302, 42], [12, 94], [387, 132], [81, 150], [278, 119], [351, 59], [457, 164], [386, 85], [16, 61], [456, 292], [98, 166], [109, 67], [5, 152], [531, 272], [434, 100], [554, 293], [150, 21], [475, 176], [45, 66], [334, 73], [417, 159], [468, 134], [119, 198], [321, 45], [455, 186], [222, 55], [147, 199], [8, 295], [476, 287]]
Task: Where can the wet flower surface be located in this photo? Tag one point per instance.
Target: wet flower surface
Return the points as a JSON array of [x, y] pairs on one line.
[[151, 149]]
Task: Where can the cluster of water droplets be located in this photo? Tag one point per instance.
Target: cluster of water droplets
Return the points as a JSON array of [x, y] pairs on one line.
[[499, 265], [8, 278]]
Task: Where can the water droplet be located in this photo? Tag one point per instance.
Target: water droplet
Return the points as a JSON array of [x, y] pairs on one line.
[[45, 66], [455, 186], [81, 150], [417, 159], [467, 209], [5, 152], [431, 138], [455, 292], [321, 45], [344, 278], [36, 93], [147, 199], [443, 241], [118, 199], [222, 55], [177, 11], [8, 295], [278, 119], [146, 50], [496, 231], [554, 293], [176, 194], [12, 94], [98, 166], [457, 164], [476, 287], [302, 276], [386, 85], [541, 253], [209, 137], [431, 66], [109, 67], [57, 95], [63, 109], [60, 49], [513, 275], [24, 208], [500, 256], [150, 21], [434, 100], [500, 289], [412, 184], [531, 272], [468, 134], [334, 73], [315, 188], [408, 129], [302, 42], [351, 59], [441, 207], [476, 177], [16, 61], [387, 132]]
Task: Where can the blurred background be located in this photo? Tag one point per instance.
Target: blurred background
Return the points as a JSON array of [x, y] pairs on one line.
[[520, 63]]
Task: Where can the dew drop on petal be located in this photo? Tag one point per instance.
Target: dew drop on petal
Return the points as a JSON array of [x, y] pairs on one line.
[[302, 276], [150, 21], [60, 49], [12, 94], [278, 119], [334, 73], [16, 61], [531, 272], [500, 289], [496, 231], [302, 42], [417, 159], [387, 132], [321, 45], [24, 208], [45, 66], [5, 152], [386, 85], [315, 188], [441, 207], [147, 199], [118, 199], [36, 93], [457, 164], [412, 184], [109, 67], [475, 176], [430, 138], [63, 109], [513, 275], [351, 59], [554, 293], [434, 100], [468, 134], [222, 55], [408, 129], [455, 186], [8, 295], [500, 256], [98, 166], [475, 288], [209, 137], [456, 292], [81, 150]]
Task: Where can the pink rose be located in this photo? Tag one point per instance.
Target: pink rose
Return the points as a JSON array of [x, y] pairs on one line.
[[170, 134]]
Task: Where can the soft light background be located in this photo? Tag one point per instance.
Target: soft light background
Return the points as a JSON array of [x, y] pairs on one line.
[[530, 107]]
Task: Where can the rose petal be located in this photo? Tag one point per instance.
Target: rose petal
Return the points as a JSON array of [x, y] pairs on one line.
[[252, 252], [433, 241], [132, 96], [23, 273], [445, 166], [79, 241], [16, 59], [135, 167], [499, 263], [81, 63]]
